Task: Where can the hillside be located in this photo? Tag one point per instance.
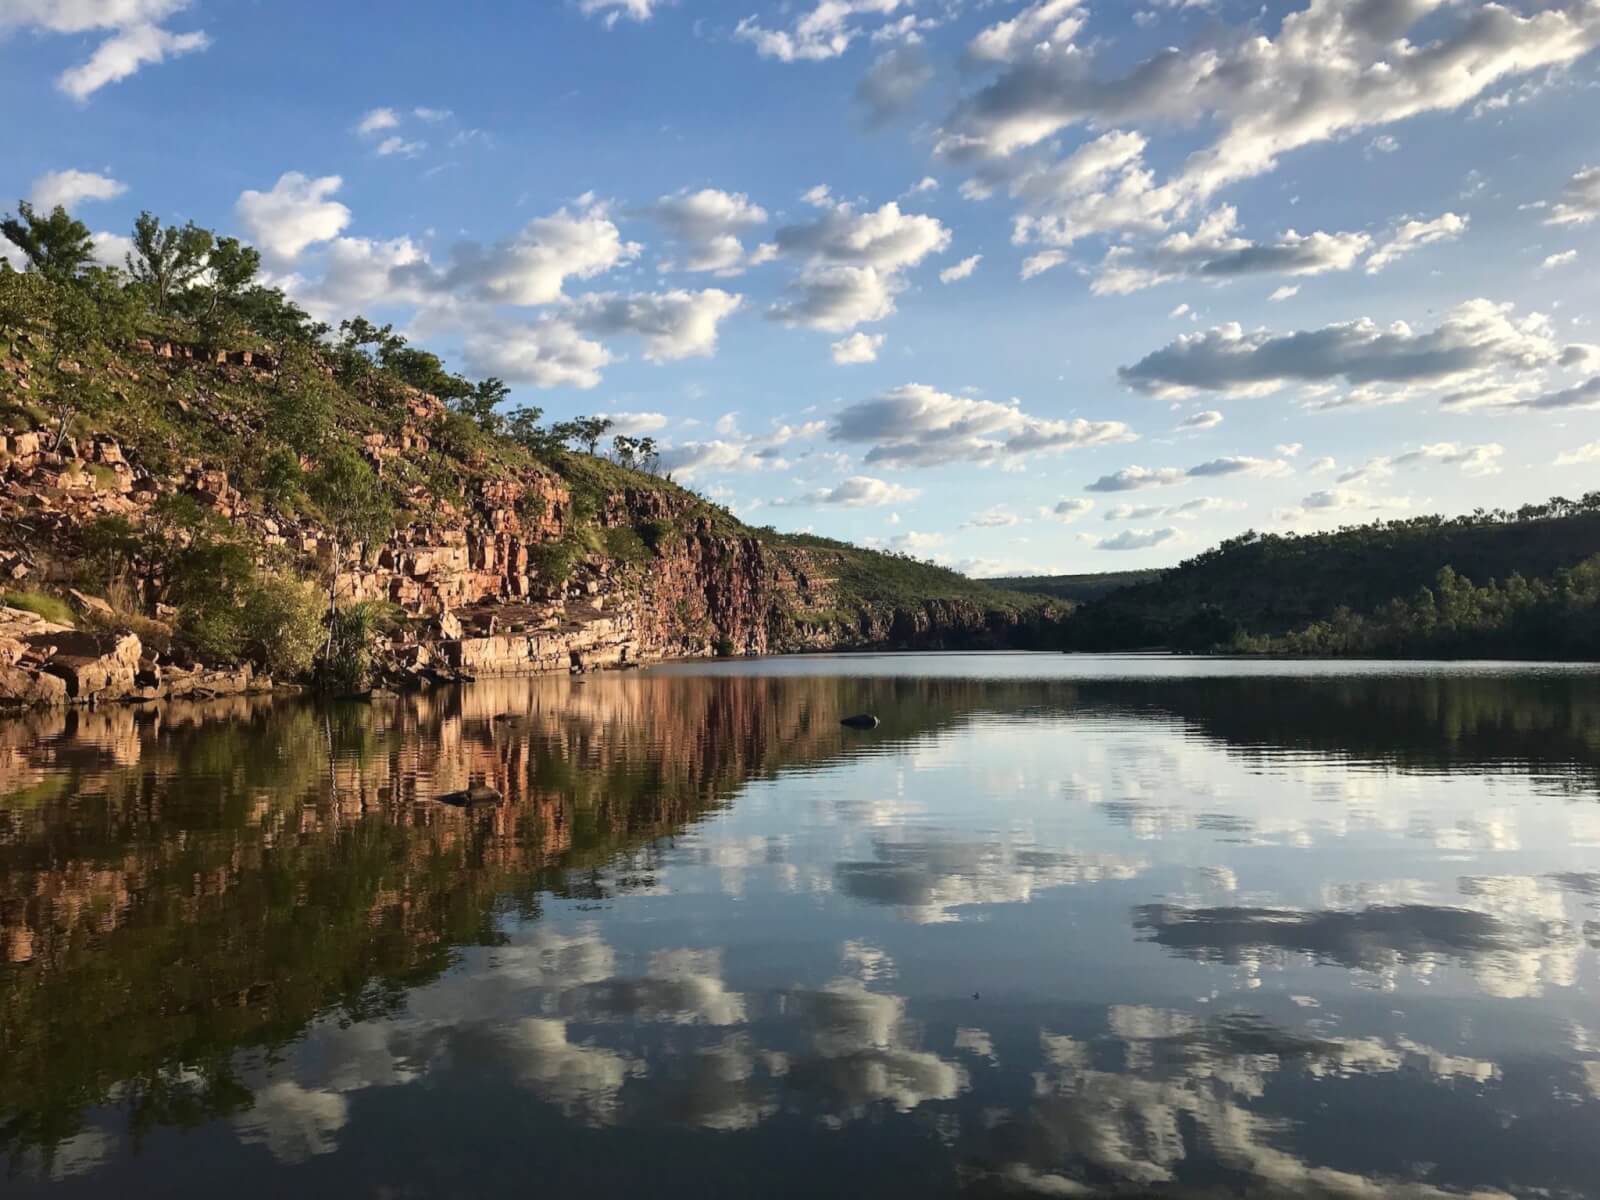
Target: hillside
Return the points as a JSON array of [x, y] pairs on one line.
[[1518, 584], [204, 489], [1079, 589]]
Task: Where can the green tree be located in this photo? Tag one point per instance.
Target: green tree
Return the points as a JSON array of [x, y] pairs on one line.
[[482, 404], [58, 246], [356, 507], [233, 267], [587, 431], [166, 258]]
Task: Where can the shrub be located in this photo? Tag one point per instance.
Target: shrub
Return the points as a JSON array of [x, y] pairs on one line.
[[723, 647], [353, 631], [282, 479], [282, 625], [553, 561], [51, 608]]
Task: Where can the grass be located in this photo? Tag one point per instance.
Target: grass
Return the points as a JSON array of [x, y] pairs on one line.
[[51, 608]]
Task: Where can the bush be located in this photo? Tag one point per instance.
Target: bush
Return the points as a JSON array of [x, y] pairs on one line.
[[347, 667], [282, 479], [282, 625], [51, 608], [553, 561], [723, 647]]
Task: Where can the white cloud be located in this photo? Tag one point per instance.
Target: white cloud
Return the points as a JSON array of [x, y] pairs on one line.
[[912, 542], [822, 32], [1139, 539], [1215, 252], [1240, 464], [962, 270], [674, 325], [1472, 460], [296, 213], [837, 299], [612, 11], [397, 146], [110, 249], [892, 84], [1067, 511], [1583, 396], [547, 353], [1286, 292], [886, 239], [1209, 419], [1189, 510], [634, 424], [918, 426], [1045, 260], [858, 348], [1342, 499], [996, 517], [123, 53], [1585, 454], [733, 451], [1332, 69], [859, 491], [1580, 200], [1412, 234], [71, 188], [360, 273], [1045, 21], [376, 120], [707, 225], [532, 267], [1475, 340], [1563, 259], [1131, 479]]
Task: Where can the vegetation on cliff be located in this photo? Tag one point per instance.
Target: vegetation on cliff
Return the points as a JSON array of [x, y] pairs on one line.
[[269, 452]]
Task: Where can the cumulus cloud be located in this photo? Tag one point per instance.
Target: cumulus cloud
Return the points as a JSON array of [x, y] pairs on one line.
[[886, 239], [612, 11], [1046, 21], [296, 213], [1069, 510], [837, 299], [919, 426], [962, 270], [136, 37], [707, 226], [1343, 499], [821, 32], [1482, 459], [1332, 69], [1216, 252], [634, 424], [1139, 539], [1583, 455], [735, 451], [859, 491], [673, 325], [1240, 464], [71, 188], [1131, 479], [1580, 200], [532, 267], [1413, 234], [1583, 396], [892, 84], [547, 353], [1564, 259], [376, 120], [1476, 340], [357, 274], [1200, 421], [1038, 264], [995, 517], [858, 348]]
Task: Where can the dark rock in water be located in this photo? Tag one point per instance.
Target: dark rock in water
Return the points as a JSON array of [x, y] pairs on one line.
[[478, 793], [860, 721]]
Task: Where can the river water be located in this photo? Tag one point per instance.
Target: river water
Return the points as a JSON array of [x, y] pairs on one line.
[[1060, 926]]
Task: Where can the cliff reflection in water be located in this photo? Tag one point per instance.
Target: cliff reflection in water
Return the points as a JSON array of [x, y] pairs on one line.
[[1036, 934]]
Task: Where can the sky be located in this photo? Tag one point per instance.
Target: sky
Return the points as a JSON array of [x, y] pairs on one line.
[[1061, 286]]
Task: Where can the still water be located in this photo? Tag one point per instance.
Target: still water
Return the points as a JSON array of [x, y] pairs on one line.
[[1061, 926]]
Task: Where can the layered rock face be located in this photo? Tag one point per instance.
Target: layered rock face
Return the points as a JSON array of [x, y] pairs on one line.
[[474, 574]]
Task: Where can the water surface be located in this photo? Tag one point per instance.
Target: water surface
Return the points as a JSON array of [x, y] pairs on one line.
[[1061, 926]]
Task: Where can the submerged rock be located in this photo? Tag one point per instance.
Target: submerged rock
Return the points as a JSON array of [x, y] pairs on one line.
[[478, 793], [860, 721]]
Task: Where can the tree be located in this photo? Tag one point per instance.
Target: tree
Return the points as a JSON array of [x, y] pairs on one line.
[[483, 402], [93, 312], [356, 507], [233, 268], [58, 246], [523, 427], [166, 258], [587, 431]]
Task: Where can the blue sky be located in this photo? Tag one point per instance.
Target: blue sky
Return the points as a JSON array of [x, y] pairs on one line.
[[1279, 266]]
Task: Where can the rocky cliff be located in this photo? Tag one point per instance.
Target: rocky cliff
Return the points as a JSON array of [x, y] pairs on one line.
[[531, 566]]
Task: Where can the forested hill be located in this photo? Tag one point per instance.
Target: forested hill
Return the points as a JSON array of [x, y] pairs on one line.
[[1498, 582], [1077, 588]]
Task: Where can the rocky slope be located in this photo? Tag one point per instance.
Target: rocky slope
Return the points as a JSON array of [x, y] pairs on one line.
[[653, 571]]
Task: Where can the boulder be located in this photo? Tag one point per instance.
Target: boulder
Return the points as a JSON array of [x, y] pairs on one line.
[[87, 604], [30, 687], [94, 666]]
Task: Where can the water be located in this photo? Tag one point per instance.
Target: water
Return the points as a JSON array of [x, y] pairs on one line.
[[1061, 926]]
